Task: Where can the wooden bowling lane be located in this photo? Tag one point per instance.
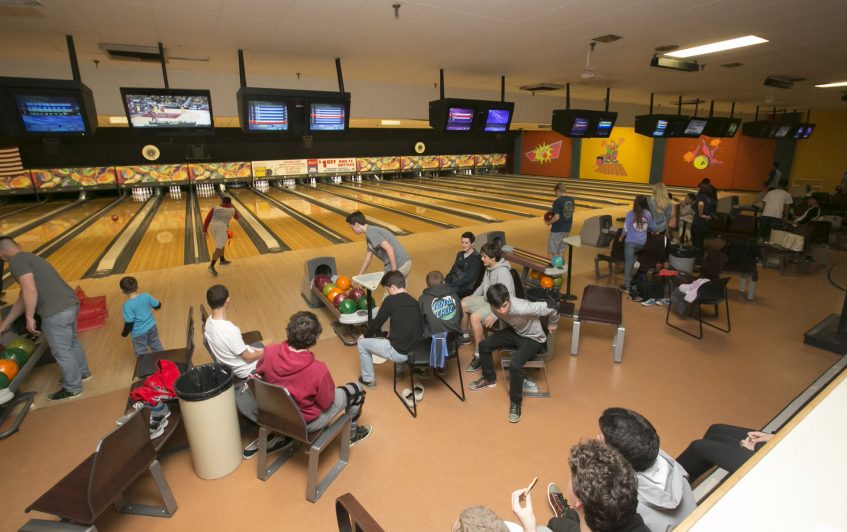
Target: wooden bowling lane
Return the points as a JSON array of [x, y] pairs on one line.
[[532, 203], [396, 188], [8, 223], [362, 193], [163, 243], [595, 184], [606, 197], [54, 227], [239, 245], [74, 258], [412, 225], [331, 219], [289, 230]]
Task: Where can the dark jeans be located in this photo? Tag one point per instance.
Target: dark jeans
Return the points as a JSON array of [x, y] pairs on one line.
[[766, 223], [699, 229], [525, 350], [720, 447]]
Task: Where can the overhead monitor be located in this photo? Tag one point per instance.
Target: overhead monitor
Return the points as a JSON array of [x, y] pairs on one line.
[[604, 128], [497, 120], [662, 125], [782, 131], [47, 107], [50, 114], [584, 123], [460, 118], [695, 127], [326, 116], [579, 128], [168, 109], [267, 115]]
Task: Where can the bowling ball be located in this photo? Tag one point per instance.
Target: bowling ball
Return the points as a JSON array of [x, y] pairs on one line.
[[17, 354], [557, 281], [558, 261], [26, 344], [356, 293], [546, 282], [348, 306], [534, 275], [4, 381], [335, 291], [337, 300], [362, 303], [549, 216], [9, 368], [114, 217], [343, 282], [327, 287], [320, 280], [229, 233]]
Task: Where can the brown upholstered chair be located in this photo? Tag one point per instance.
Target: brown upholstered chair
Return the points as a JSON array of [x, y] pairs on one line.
[[601, 304], [145, 365], [278, 413], [352, 516], [100, 480]]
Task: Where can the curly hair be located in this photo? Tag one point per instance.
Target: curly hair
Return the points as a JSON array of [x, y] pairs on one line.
[[303, 330], [605, 483], [479, 519], [632, 435]]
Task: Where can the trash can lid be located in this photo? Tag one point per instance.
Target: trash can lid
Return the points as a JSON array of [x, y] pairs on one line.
[[204, 382]]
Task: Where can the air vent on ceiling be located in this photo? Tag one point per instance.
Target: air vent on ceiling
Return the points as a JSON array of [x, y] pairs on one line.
[[607, 38], [732, 65], [541, 87], [666, 48], [131, 52]]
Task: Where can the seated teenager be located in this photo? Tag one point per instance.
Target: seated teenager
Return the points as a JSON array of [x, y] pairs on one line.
[[466, 268], [475, 307], [725, 446], [292, 365], [524, 333], [406, 328], [440, 306], [225, 341]]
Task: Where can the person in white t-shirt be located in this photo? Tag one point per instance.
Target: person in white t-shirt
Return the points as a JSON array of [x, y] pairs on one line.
[[775, 212], [228, 347]]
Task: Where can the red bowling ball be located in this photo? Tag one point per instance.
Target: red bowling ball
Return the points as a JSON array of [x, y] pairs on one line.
[[338, 299], [356, 293], [320, 281]]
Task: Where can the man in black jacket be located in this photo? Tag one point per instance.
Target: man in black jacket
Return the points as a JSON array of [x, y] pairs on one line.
[[406, 328], [440, 307], [466, 269]]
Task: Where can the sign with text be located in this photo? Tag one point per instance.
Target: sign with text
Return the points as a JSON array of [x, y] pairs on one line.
[[280, 168], [337, 166]]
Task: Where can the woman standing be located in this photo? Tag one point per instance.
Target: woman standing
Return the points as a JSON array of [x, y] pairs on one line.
[[704, 207], [660, 206], [218, 222], [634, 235]]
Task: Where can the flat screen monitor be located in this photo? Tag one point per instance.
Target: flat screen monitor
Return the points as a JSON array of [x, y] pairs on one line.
[[733, 127], [50, 114], [579, 128], [782, 131], [267, 115], [46, 107], [459, 119], [497, 120], [661, 128], [808, 132], [168, 109], [327, 116], [695, 127], [604, 128]]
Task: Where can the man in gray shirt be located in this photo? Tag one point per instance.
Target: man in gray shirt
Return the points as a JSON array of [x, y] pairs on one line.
[[382, 243], [43, 292]]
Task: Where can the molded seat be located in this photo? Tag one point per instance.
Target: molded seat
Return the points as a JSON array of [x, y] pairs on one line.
[[145, 365]]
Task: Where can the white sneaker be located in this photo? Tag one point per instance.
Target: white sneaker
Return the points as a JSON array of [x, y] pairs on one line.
[[649, 303]]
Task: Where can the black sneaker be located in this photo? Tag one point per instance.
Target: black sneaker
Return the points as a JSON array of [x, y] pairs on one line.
[[481, 383], [278, 443], [213, 271], [466, 338], [371, 385], [64, 393], [360, 433], [557, 500], [275, 443], [514, 412], [474, 365], [224, 262], [84, 379]]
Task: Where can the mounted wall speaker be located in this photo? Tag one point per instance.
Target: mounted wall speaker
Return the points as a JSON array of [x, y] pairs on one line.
[[150, 152], [420, 147]]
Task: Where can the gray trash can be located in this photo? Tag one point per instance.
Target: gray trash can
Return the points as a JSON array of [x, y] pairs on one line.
[[207, 401], [682, 258]]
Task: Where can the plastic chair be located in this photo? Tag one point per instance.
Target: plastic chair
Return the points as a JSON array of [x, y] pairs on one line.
[[707, 295], [99, 481], [145, 365], [279, 413], [250, 337]]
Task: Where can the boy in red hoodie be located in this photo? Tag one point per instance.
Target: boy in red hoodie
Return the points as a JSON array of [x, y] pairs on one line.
[[292, 365]]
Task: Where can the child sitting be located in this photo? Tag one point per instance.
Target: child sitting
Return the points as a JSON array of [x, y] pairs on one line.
[[138, 318]]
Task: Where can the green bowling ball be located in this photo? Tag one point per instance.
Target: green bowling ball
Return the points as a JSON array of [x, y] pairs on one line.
[[23, 343], [557, 281], [348, 306], [17, 354], [4, 381], [363, 303], [327, 288]]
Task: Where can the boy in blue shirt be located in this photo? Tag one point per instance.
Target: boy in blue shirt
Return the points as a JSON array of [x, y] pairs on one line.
[[561, 222], [138, 318]]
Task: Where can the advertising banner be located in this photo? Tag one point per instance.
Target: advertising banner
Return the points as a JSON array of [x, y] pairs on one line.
[[74, 178], [337, 166], [280, 168], [220, 171], [152, 174]]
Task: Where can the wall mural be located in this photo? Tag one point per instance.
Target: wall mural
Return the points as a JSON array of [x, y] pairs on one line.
[[545, 153], [704, 154], [607, 162]]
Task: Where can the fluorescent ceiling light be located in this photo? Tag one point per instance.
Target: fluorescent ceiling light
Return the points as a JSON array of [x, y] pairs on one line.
[[739, 42], [390, 122], [834, 84], [118, 120]]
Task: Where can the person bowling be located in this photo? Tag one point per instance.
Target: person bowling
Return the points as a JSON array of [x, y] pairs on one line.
[[217, 222]]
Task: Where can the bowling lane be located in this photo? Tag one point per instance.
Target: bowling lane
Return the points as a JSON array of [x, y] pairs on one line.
[[54, 227], [239, 245], [599, 197], [532, 204], [453, 201], [362, 193], [8, 223], [74, 258], [289, 230], [328, 218], [163, 243], [411, 225]]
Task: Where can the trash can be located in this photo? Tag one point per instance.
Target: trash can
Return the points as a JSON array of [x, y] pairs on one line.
[[207, 401], [682, 258]]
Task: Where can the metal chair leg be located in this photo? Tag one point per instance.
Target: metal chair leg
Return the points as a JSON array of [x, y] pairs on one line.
[[575, 336]]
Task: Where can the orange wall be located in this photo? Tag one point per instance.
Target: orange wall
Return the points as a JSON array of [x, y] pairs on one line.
[[739, 163], [754, 161], [541, 154]]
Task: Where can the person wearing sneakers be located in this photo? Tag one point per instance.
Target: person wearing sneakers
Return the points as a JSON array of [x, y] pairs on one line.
[[524, 334], [664, 495], [604, 491], [634, 236], [406, 328], [217, 223], [45, 293], [561, 222], [440, 306], [291, 364], [475, 307], [382, 243], [466, 269], [227, 345]]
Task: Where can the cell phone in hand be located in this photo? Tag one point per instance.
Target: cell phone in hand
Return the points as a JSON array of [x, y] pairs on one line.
[[529, 488]]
